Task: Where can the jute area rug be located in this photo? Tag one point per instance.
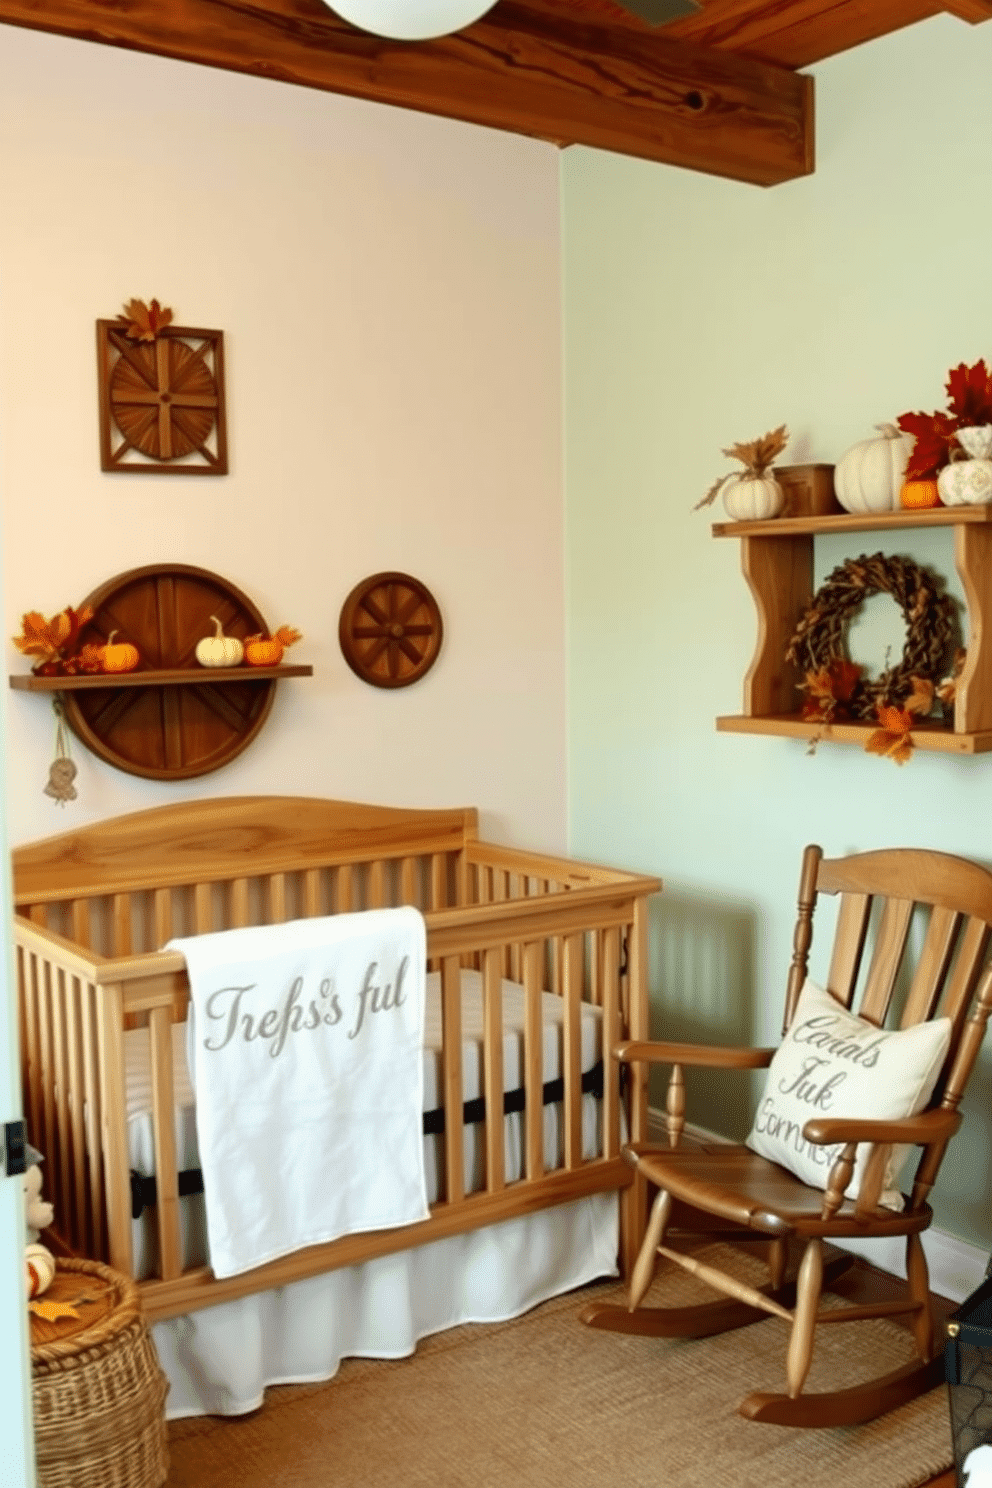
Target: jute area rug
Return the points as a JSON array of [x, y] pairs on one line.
[[543, 1400]]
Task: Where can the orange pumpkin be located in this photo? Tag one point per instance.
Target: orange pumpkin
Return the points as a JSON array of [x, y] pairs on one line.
[[120, 658], [916, 495], [265, 651]]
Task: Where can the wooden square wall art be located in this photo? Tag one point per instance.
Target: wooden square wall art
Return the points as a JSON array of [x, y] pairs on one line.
[[161, 394]]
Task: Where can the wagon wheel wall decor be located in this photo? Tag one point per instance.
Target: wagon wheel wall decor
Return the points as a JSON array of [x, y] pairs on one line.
[[932, 630], [390, 630], [161, 400], [170, 732]]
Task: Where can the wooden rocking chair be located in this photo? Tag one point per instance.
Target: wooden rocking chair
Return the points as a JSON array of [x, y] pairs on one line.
[[733, 1193]]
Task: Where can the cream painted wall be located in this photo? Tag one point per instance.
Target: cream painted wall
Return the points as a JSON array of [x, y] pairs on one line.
[[388, 286], [699, 312]]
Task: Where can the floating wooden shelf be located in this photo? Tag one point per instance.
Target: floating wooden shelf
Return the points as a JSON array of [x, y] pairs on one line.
[[777, 561], [184, 677], [930, 736], [934, 516]]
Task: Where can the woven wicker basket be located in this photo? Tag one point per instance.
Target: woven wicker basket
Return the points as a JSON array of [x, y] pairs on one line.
[[99, 1393]]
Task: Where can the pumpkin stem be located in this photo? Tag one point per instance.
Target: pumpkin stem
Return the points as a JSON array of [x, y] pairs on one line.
[[110, 638], [219, 632]]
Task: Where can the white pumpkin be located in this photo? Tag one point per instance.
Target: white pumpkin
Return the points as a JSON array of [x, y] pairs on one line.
[[966, 483], [219, 650], [869, 476], [752, 498]]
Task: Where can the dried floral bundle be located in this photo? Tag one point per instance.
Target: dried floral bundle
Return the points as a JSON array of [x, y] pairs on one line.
[[969, 397], [757, 457], [53, 641]]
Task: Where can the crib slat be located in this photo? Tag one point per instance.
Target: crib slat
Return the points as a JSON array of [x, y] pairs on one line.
[[110, 1032], [163, 1126], [439, 896], [32, 1044], [608, 959], [376, 888], [203, 908], [345, 889], [38, 915], [163, 917], [533, 960], [122, 924], [451, 1059], [81, 932], [61, 1059], [492, 988], [94, 1119], [239, 910], [277, 898], [77, 1105], [46, 1063], [500, 891], [514, 891], [311, 893], [572, 967], [409, 893]]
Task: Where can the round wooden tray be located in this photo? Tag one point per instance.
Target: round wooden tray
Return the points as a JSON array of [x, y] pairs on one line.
[[390, 630], [170, 732]]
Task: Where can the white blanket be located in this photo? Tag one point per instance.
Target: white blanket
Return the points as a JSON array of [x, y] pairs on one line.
[[306, 1044]]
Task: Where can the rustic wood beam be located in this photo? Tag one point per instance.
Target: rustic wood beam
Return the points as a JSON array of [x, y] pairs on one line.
[[797, 33], [974, 11], [521, 68]]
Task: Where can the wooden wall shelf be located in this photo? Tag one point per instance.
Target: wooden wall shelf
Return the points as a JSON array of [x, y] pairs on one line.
[[184, 677], [777, 561], [172, 719]]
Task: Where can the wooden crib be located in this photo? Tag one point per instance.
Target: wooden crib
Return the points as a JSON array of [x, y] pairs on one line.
[[93, 906]]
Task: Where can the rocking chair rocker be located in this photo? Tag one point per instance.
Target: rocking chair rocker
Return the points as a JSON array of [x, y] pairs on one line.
[[734, 1193]]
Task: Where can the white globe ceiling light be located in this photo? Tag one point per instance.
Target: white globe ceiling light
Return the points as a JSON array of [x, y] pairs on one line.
[[411, 20]]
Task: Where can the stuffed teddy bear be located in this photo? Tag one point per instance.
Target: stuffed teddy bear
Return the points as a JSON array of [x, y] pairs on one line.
[[38, 1212]]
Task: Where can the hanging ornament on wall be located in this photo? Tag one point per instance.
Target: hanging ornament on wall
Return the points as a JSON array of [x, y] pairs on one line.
[[161, 394], [62, 771], [390, 630]]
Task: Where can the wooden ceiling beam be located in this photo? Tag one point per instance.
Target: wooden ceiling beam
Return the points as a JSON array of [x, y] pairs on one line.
[[974, 11], [522, 68]]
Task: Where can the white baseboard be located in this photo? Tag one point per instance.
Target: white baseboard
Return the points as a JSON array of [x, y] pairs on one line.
[[956, 1267]]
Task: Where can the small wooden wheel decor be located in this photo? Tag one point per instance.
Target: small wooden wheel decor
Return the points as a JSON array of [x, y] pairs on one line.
[[390, 630], [834, 684], [161, 394]]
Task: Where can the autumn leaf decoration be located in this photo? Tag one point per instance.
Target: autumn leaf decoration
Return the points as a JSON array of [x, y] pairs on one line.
[[287, 635], [892, 738], [143, 322], [969, 399], [829, 691], [51, 641], [52, 1311], [757, 457]]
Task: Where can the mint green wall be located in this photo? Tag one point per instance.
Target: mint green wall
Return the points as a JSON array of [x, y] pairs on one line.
[[699, 312]]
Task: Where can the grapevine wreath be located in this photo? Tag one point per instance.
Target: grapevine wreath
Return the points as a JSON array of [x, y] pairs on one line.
[[818, 645]]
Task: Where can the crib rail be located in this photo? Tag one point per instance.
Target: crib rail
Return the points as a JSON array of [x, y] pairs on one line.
[[90, 969]]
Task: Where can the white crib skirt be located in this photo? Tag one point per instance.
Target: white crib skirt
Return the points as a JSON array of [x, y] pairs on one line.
[[220, 1359]]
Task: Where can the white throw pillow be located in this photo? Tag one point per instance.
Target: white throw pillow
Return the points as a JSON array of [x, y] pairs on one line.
[[831, 1063]]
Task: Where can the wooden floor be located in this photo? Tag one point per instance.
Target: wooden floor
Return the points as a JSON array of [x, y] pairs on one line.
[[864, 1283]]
